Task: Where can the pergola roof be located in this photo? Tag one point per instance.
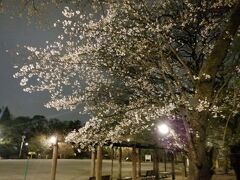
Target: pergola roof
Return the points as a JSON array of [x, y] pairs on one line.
[[140, 145]]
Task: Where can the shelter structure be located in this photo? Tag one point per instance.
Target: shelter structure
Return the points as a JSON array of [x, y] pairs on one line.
[[155, 173]]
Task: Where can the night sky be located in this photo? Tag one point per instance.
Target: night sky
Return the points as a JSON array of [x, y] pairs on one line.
[[14, 31]]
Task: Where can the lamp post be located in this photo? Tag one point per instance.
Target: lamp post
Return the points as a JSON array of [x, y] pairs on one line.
[[164, 129], [54, 141]]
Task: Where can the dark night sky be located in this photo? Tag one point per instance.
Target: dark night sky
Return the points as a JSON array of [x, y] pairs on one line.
[[15, 31]]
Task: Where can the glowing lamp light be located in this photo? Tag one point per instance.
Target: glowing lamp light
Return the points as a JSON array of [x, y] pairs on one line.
[[53, 140], [163, 129]]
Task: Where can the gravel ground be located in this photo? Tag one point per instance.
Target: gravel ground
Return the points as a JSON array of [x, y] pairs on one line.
[[37, 169]]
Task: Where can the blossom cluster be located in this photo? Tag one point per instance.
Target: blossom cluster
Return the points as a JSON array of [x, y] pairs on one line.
[[130, 66]]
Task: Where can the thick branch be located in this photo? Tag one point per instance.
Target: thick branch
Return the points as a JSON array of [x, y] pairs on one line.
[[216, 58]]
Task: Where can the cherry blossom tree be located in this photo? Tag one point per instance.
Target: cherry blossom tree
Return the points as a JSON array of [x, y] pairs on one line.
[[132, 63], [34, 7]]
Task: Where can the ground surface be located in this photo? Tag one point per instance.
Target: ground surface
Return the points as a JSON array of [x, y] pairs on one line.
[[70, 170]]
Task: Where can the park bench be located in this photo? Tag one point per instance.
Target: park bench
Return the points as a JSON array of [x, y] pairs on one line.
[[150, 175], [164, 174], [106, 177]]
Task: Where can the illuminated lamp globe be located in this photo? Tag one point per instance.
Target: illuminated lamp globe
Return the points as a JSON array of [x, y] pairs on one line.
[[53, 140], [163, 129]]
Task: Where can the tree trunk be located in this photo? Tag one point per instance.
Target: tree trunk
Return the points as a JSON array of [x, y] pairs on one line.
[[200, 156], [199, 167], [225, 158]]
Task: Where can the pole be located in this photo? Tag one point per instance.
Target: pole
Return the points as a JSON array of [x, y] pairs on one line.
[[165, 161], [139, 163], [134, 163], [54, 161], [112, 157], [93, 163], [156, 163], [21, 147], [99, 163], [120, 163], [173, 166], [20, 152]]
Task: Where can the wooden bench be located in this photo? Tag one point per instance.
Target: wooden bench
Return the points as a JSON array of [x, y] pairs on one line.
[[164, 174], [150, 174]]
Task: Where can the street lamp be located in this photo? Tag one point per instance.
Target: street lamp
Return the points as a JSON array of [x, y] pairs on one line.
[[163, 129], [54, 142]]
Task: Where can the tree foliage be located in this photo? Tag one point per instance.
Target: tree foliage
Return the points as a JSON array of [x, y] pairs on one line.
[[137, 59], [36, 130], [138, 62]]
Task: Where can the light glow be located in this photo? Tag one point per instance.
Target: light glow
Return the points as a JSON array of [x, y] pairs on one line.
[[53, 140], [163, 129]]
